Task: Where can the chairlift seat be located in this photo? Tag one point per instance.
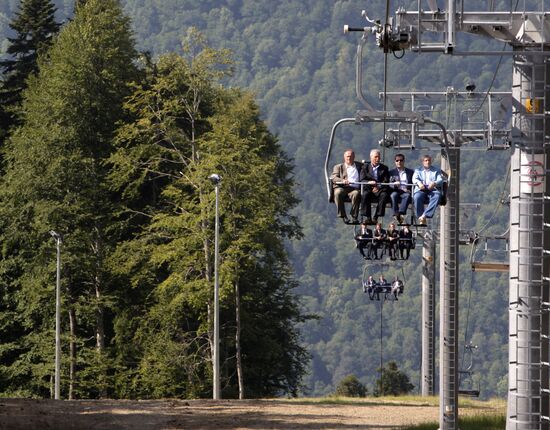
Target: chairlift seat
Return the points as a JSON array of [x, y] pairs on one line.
[[493, 266], [469, 393]]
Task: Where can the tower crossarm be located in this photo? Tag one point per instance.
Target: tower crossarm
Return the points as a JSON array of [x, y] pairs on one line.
[[520, 29]]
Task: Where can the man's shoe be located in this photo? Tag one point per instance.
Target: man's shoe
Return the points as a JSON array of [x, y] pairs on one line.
[[422, 220], [345, 219], [354, 220], [401, 219]]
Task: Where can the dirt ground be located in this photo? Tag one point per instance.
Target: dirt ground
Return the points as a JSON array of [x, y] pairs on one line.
[[213, 414]]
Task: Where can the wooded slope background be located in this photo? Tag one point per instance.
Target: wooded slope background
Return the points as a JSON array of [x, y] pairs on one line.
[[295, 58]]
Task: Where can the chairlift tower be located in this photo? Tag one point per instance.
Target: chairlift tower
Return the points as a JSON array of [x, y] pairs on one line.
[[528, 33], [428, 314]]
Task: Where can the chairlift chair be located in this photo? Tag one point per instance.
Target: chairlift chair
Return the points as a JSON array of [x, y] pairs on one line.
[[465, 375]]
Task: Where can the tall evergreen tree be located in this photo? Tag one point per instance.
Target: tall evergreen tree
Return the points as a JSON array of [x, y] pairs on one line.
[[55, 179], [186, 127], [392, 381], [35, 28]]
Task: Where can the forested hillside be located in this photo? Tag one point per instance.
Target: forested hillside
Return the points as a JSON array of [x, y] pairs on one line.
[[295, 58]]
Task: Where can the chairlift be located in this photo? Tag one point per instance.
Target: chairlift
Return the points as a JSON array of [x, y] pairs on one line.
[[479, 265], [411, 221], [372, 248], [380, 288], [465, 374]]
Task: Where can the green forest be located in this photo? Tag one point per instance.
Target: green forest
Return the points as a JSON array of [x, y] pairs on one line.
[[110, 142]]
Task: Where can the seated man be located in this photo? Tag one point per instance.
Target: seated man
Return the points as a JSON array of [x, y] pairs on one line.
[[401, 190], [383, 286], [374, 173], [379, 237], [364, 240], [370, 288], [392, 237], [428, 182], [396, 287], [344, 182], [405, 242]]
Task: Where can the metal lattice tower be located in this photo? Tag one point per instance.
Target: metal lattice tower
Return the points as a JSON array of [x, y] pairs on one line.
[[528, 381], [528, 32], [431, 29], [428, 314], [448, 322]]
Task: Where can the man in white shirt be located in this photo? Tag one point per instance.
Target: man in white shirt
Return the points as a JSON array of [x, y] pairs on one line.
[[428, 182], [345, 178]]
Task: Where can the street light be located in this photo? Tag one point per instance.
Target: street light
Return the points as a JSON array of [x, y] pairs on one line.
[[58, 239], [216, 392]]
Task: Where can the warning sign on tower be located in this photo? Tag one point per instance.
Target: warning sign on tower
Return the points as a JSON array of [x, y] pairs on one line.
[[532, 173]]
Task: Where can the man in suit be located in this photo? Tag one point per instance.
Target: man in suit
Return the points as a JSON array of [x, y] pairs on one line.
[[344, 182], [405, 242], [401, 190], [428, 182], [364, 240], [392, 238], [374, 173], [379, 237]]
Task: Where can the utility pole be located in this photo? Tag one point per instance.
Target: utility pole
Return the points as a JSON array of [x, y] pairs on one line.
[[216, 389], [58, 240]]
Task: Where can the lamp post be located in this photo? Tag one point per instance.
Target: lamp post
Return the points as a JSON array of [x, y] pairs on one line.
[[216, 392], [58, 239]]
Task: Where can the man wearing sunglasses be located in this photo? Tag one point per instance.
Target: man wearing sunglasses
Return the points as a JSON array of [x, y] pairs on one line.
[[401, 179]]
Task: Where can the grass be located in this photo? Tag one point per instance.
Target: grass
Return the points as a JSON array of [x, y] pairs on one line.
[[481, 415], [492, 404], [497, 422]]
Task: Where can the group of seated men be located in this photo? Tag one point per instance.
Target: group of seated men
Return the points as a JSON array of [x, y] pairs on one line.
[[373, 244], [374, 288], [400, 185]]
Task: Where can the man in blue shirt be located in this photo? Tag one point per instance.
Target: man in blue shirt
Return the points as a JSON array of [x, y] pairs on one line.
[[428, 183]]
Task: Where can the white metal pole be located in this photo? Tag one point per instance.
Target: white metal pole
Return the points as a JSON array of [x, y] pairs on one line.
[[216, 388], [57, 238]]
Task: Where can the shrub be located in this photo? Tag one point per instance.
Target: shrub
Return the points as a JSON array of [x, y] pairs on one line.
[[350, 386]]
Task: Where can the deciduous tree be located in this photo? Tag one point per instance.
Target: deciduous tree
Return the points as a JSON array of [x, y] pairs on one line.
[[55, 180], [186, 128]]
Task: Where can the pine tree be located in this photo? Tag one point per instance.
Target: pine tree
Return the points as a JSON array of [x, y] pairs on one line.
[[35, 29], [55, 180], [392, 381]]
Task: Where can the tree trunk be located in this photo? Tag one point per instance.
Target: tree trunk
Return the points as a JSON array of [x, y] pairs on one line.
[[100, 323], [72, 351], [100, 328], [238, 340], [101, 382]]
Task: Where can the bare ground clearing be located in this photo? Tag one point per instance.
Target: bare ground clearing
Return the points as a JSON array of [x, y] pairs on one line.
[[219, 414]]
